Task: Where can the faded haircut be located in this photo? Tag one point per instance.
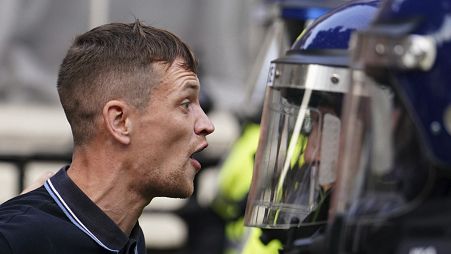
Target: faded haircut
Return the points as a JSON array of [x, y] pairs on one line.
[[114, 61]]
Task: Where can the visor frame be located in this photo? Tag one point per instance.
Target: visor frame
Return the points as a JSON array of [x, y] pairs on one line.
[[310, 76]]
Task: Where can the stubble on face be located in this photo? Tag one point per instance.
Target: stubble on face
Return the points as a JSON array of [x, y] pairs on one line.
[[156, 184], [166, 139]]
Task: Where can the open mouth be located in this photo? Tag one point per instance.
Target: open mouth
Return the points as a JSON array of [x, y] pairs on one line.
[[194, 158]]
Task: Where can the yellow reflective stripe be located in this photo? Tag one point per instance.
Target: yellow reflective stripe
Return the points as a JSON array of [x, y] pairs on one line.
[[299, 151]]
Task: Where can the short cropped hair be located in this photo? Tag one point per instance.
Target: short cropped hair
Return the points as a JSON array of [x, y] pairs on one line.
[[114, 61]]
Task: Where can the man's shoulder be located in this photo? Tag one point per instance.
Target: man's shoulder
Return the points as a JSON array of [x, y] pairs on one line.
[[26, 206], [34, 223], [28, 217]]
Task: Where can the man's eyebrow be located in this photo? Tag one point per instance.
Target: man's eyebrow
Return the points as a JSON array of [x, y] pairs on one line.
[[191, 85]]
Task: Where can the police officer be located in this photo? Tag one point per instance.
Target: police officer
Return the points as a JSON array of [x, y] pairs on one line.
[[296, 160], [393, 193]]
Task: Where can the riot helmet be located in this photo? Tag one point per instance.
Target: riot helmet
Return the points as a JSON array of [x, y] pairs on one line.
[[397, 137], [296, 158]]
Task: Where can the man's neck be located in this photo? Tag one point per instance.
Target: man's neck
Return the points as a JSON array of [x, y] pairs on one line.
[[107, 186]]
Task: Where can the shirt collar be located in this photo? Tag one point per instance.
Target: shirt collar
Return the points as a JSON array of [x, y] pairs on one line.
[[85, 214]]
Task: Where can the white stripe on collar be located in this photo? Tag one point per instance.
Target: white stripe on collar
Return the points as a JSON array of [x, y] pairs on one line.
[[72, 217]]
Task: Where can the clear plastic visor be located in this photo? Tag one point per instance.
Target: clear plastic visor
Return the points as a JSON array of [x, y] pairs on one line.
[[297, 154]]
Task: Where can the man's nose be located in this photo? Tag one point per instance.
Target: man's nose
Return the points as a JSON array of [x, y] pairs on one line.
[[203, 125]]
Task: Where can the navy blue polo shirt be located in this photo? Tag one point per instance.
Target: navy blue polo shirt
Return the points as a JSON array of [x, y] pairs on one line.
[[59, 218]]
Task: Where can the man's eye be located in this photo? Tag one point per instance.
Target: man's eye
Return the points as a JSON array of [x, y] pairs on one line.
[[186, 104]]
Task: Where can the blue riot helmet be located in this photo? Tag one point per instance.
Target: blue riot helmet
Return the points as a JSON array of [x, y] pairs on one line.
[[300, 129], [396, 160]]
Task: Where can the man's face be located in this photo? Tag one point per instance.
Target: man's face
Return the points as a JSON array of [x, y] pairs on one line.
[[313, 147], [168, 133]]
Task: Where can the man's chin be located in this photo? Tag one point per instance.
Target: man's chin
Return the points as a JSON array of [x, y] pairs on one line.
[[181, 192]]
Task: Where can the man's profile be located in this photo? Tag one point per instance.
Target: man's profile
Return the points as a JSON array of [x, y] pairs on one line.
[[131, 95]]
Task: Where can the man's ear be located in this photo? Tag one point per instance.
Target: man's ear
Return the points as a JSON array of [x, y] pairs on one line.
[[116, 116]]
